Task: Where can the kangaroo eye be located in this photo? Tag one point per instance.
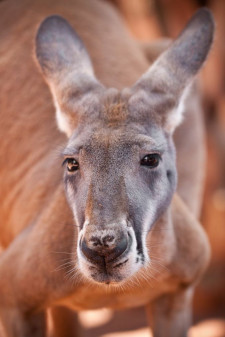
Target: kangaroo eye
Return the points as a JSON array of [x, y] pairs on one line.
[[72, 164], [151, 160]]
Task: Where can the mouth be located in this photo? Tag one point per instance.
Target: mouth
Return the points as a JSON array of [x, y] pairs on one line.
[[109, 273]]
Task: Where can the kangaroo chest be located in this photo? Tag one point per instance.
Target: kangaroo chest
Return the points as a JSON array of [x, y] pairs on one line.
[[90, 297]]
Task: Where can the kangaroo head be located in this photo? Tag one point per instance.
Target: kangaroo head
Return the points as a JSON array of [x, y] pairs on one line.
[[120, 165]]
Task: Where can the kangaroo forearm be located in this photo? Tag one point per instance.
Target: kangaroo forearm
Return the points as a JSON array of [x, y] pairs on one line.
[[170, 315]]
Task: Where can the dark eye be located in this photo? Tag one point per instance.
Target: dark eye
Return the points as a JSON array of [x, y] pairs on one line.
[[151, 160], [72, 164]]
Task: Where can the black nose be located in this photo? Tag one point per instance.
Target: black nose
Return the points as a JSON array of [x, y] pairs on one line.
[[104, 247]]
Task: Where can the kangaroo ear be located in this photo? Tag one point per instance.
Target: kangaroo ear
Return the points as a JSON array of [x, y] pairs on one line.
[[67, 69], [164, 85]]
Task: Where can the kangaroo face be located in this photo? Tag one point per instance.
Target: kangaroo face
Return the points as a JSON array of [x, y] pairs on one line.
[[120, 172], [119, 178]]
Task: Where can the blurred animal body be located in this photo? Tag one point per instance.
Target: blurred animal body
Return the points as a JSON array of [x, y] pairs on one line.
[[111, 227]]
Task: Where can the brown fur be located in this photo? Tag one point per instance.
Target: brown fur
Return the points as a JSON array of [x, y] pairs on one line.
[[36, 226]]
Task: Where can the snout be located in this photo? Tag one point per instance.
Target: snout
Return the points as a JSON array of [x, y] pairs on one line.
[[108, 254], [105, 246]]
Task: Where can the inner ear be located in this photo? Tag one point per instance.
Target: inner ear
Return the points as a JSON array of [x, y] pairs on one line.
[[67, 68]]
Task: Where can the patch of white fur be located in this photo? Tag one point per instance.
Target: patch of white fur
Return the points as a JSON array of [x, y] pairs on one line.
[[70, 197], [175, 116], [62, 120], [83, 264], [70, 193], [149, 217], [132, 267]]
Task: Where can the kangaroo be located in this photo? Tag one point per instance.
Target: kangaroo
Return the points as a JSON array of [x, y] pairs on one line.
[[93, 217]]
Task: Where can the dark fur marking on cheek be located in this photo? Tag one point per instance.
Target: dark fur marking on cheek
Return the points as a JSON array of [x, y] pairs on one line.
[[139, 244], [169, 175], [120, 264], [140, 250]]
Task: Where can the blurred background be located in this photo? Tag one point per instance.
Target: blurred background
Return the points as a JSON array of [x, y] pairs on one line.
[[150, 20]]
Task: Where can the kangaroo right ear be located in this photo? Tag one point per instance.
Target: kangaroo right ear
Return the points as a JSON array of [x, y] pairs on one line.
[[67, 69], [163, 86]]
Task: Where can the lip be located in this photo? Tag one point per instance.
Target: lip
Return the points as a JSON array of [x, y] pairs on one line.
[[105, 277], [108, 274]]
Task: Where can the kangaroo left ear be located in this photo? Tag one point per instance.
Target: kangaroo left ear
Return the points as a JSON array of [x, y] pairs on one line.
[[67, 69], [165, 84]]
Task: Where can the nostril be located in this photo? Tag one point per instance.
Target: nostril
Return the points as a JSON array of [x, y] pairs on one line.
[[95, 241], [119, 248], [90, 254], [108, 240]]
